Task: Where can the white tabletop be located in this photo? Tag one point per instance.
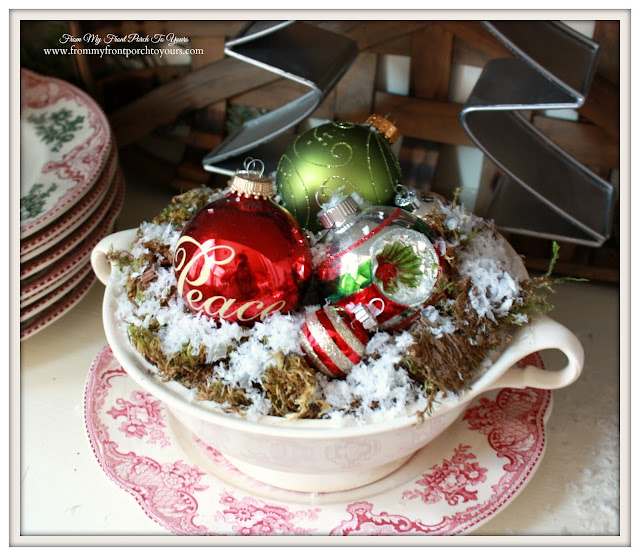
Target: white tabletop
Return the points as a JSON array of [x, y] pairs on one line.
[[64, 492]]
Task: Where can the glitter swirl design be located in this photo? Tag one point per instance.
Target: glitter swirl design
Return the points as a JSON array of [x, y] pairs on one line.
[[353, 157], [307, 144]]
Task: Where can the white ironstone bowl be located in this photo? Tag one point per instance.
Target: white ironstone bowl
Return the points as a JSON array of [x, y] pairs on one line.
[[315, 455]]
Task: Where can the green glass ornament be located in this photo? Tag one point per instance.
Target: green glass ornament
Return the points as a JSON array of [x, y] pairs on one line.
[[352, 158]]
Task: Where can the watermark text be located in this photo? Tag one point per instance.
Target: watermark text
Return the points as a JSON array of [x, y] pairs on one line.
[[132, 44]]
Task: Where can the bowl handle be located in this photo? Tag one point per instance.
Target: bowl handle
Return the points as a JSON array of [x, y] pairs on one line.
[[100, 262], [541, 333]]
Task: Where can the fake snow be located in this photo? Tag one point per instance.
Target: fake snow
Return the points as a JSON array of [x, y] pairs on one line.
[[457, 218], [439, 325], [241, 355], [494, 289]]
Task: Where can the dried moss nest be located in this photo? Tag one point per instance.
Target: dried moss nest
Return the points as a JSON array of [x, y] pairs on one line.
[[440, 365]]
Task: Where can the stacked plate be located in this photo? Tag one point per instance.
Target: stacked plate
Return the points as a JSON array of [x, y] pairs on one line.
[[71, 191]]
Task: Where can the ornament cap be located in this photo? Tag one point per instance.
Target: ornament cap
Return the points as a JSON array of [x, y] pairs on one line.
[[406, 198], [384, 126], [251, 183], [338, 214]]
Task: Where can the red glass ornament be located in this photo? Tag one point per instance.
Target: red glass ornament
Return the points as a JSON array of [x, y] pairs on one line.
[[243, 257], [334, 339]]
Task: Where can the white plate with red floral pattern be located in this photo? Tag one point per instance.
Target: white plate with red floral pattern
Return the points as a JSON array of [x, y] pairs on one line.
[[458, 482], [58, 269], [65, 140], [50, 297], [74, 218], [68, 244], [35, 306]]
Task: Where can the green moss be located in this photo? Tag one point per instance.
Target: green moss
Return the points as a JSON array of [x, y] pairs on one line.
[[449, 364], [291, 386], [232, 399], [439, 366], [184, 206]]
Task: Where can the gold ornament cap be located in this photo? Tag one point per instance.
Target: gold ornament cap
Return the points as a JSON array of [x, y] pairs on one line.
[[384, 126], [252, 183]]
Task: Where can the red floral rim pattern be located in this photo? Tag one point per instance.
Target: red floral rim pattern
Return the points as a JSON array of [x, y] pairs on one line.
[[470, 473], [62, 306], [27, 311], [67, 244], [62, 267], [82, 164], [72, 219]]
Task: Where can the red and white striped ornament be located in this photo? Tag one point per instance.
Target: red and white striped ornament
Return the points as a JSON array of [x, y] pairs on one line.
[[335, 339]]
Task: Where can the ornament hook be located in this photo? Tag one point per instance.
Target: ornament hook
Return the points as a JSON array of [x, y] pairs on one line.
[[250, 165], [395, 117], [250, 182], [372, 306], [402, 190]]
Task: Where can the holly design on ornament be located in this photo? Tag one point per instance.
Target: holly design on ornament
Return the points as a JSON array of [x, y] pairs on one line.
[[57, 127], [398, 265], [348, 284], [451, 480], [405, 266]]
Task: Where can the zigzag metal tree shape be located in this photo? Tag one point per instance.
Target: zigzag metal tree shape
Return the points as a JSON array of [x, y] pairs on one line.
[[304, 53], [545, 192]]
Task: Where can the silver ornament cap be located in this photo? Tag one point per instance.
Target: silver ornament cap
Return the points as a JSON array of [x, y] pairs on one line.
[[336, 215], [364, 316], [406, 198]]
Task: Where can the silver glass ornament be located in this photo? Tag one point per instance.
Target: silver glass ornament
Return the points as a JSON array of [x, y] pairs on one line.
[[377, 253]]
